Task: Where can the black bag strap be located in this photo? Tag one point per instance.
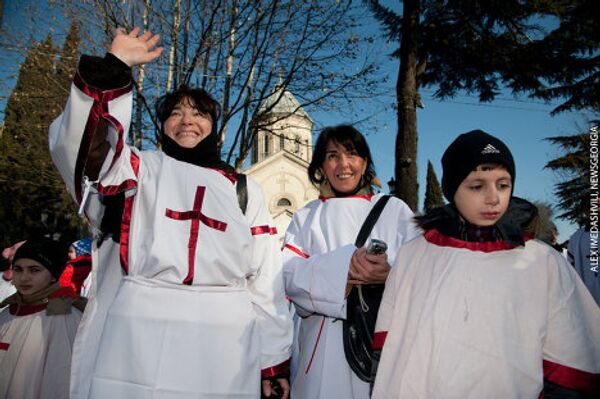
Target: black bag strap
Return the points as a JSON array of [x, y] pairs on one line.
[[370, 221], [241, 190]]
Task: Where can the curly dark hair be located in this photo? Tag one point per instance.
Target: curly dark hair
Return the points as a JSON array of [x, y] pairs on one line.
[[351, 139], [199, 98]]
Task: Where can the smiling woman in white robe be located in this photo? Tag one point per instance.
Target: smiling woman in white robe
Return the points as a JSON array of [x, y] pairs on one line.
[[187, 295], [320, 259]]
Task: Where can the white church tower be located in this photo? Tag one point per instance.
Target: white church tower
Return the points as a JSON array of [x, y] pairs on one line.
[[280, 156]]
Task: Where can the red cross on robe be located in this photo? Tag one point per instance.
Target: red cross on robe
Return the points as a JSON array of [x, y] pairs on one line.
[[196, 216]]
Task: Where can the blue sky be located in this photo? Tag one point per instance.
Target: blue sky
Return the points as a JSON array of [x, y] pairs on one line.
[[521, 123]]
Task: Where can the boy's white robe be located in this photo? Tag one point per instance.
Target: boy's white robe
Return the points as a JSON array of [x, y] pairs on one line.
[[190, 303], [487, 320], [317, 250], [35, 354]]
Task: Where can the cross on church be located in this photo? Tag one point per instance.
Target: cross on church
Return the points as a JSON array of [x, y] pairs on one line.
[[282, 180], [196, 216]]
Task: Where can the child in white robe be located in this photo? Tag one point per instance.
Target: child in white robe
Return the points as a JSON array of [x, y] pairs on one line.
[[38, 325], [477, 308]]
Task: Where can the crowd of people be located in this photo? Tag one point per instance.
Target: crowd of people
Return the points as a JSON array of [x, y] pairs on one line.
[[185, 292]]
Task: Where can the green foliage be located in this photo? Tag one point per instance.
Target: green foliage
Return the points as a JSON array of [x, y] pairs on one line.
[[547, 49], [573, 168], [433, 191], [33, 198]]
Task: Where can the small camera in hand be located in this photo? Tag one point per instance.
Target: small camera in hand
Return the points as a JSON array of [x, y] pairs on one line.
[[377, 247]]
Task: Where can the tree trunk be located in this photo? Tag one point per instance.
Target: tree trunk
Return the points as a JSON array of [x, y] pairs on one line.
[[139, 103], [172, 69], [407, 187], [228, 69]]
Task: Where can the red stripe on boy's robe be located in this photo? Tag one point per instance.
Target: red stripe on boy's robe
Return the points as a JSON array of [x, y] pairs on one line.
[[572, 378]]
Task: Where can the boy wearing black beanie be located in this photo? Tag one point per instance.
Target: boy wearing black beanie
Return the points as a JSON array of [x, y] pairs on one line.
[[478, 308]]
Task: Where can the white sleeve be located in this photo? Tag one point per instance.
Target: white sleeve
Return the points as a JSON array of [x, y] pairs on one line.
[[266, 287], [572, 344], [316, 283], [87, 143]]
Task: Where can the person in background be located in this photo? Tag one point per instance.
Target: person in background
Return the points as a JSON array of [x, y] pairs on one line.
[[321, 260], [188, 297], [38, 325], [80, 265], [477, 307], [585, 263]]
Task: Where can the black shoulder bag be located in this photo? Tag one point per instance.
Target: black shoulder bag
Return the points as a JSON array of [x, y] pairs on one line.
[[362, 305]]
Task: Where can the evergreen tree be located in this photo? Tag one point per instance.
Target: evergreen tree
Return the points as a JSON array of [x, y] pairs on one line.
[[478, 47], [573, 167], [433, 191], [33, 198], [67, 64]]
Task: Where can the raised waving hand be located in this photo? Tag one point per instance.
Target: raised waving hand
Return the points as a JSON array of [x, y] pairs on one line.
[[133, 49]]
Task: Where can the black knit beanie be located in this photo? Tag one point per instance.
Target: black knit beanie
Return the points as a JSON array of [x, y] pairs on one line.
[[468, 151], [51, 254]]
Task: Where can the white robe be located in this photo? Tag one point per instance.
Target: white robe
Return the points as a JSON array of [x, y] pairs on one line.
[[6, 288], [484, 321], [35, 354], [191, 302], [317, 250]]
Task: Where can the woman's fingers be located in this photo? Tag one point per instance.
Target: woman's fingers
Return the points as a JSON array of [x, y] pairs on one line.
[[134, 32], [153, 40]]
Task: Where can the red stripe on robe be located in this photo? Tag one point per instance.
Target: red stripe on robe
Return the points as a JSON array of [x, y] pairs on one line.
[[296, 250], [571, 378], [379, 339]]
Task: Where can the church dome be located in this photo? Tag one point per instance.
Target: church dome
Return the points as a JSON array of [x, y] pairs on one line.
[[278, 103]]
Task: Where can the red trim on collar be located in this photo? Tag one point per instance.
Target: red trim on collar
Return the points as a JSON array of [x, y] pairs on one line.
[[571, 378], [367, 197], [435, 237], [379, 339], [25, 310], [273, 371], [4, 346], [296, 250]]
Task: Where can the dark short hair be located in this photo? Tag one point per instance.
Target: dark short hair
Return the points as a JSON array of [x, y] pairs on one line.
[[201, 99], [351, 139], [49, 253]]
